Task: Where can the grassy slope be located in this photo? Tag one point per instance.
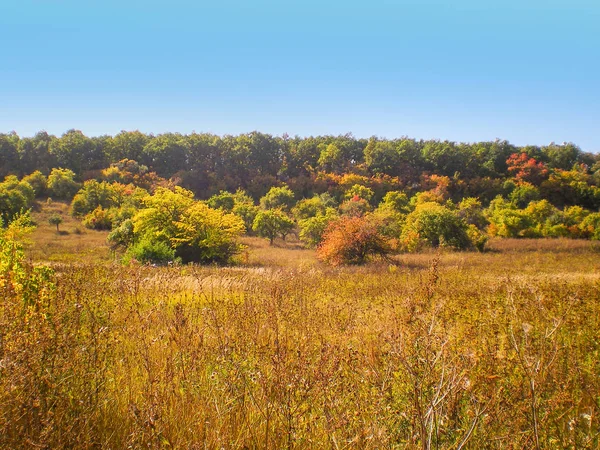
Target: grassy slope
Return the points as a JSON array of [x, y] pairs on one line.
[[72, 243]]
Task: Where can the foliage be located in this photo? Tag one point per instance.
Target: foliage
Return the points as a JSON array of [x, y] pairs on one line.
[[271, 223], [99, 219], [355, 207], [150, 250], [590, 226], [506, 220], [223, 200], [122, 235], [91, 196], [471, 211], [278, 198], [351, 240], [309, 207], [360, 191], [397, 201], [526, 169], [62, 184], [193, 230], [207, 235], [38, 182], [330, 157], [312, 228], [55, 219], [16, 197], [523, 193], [22, 285], [434, 225]]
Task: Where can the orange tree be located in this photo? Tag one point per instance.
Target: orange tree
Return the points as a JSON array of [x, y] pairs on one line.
[[352, 240]]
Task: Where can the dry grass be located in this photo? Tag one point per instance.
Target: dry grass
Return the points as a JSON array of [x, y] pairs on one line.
[[453, 350], [73, 242]]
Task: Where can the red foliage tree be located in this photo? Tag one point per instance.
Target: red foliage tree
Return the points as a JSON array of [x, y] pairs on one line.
[[526, 168]]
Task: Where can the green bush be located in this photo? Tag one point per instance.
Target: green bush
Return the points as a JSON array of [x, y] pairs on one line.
[[148, 250], [62, 184], [434, 225]]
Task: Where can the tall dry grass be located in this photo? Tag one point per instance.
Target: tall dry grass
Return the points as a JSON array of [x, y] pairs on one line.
[[457, 350]]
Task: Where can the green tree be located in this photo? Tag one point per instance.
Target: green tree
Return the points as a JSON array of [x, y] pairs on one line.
[[309, 207], [330, 158], [434, 225], [278, 198], [312, 228], [75, 151], [62, 184], [38, 182], [382, 157], [397, 201], [223, 200], [271, 223], [55, 219], [166, 154]]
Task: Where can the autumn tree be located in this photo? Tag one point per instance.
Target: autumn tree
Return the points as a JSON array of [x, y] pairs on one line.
[[527, 169], [351, 240], [271, 223]]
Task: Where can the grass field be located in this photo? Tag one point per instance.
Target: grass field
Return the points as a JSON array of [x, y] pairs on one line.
[[441, 350], [71, 243]]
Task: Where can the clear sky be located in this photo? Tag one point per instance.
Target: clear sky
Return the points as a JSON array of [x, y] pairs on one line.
[[523, 70]]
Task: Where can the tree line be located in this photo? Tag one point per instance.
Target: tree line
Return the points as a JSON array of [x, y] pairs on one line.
[[207, 164], [349, 198]]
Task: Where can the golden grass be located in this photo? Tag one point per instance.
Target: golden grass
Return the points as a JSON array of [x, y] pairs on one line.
[[451, 350], [72, 243]]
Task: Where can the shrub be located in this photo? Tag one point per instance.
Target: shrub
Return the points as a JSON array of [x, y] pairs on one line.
[[434, 225], [55, 219], [271, 223], [312, 228], [98, 219], [351, 240], [207, 235], [278, 198], [38, 182], [62, 184], [194, 231], [122, 235], [149, 250]]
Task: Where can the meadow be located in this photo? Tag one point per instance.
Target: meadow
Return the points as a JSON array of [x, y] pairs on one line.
[[434, 350]]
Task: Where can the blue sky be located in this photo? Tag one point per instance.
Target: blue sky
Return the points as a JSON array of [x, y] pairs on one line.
[[526, 71]]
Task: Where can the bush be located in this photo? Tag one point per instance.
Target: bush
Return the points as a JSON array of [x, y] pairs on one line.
[[148, 250], [122, 235], [434, 225], [271, 223], [38, 182], [312, 228], [194, 231], [98, 219], [62, 184], [351, 240], [278, 198]]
